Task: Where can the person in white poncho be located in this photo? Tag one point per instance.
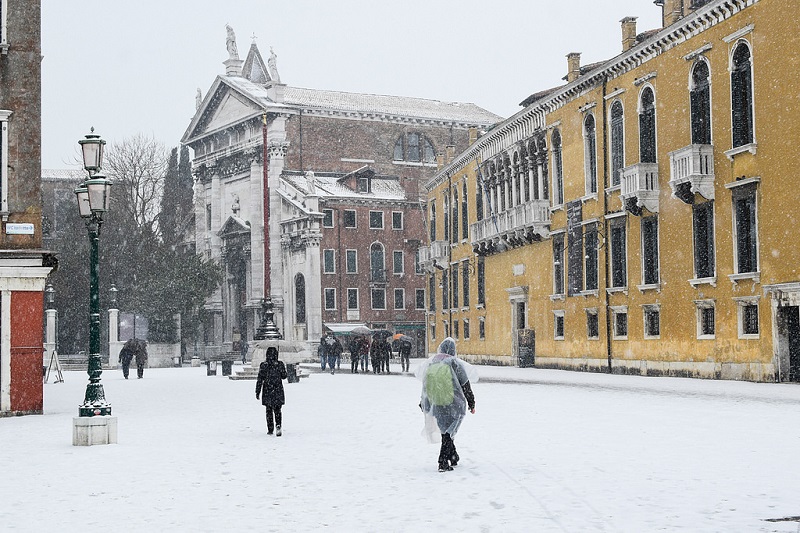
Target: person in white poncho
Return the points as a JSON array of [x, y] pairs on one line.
[[446, 395]]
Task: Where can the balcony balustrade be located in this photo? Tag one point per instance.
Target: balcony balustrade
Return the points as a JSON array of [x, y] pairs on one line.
[[692, 171], [522, 224], [640, 187]]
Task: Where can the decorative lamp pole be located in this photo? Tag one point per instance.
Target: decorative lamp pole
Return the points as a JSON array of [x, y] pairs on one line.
[[94, 196]]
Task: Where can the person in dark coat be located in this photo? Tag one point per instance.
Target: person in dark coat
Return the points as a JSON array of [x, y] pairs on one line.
[[379, 352], [126, 356], [405, 353], [269, 387], [140, 352], [332, 349], [355, 353]]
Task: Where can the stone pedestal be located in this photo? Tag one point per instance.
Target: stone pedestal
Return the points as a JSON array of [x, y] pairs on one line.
[[91, 430]]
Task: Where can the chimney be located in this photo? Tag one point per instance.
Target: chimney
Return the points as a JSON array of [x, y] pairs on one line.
[[473, 134], [450, 154], [672, 11], [628, 33], [573, 66]]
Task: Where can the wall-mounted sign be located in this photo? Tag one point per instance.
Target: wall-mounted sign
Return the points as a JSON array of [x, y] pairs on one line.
[[19, 229]]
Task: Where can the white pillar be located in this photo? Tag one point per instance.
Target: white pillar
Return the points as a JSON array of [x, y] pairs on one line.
[[49, 335], [114, 345]]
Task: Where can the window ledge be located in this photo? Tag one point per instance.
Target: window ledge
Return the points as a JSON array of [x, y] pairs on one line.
[[751, 147], [652, 337], [414, 164], [706, 337], [587, 293], [619, 338], [649, 287], [612, 290], [554, 297], [557, 207], [755, 277], [589, 196], [750, 336], [614, 188], [703, 281], [558, 338]]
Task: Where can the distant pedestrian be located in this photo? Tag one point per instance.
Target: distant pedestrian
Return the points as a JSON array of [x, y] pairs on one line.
[[380, 352], [244, 347], [126, 356], [364, 346], [322, 353], [269, 386], [446, 395], [405, 353], [354, 346], [140, 352], [332, 351]]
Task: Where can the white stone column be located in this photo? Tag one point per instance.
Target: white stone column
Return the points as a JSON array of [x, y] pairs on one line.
[[114, 344], [49, 335]]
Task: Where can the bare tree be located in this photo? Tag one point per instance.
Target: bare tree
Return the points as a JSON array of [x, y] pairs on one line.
[[137, 166]]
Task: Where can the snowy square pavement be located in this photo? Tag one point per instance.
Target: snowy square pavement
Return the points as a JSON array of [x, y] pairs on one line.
[[559, 451]]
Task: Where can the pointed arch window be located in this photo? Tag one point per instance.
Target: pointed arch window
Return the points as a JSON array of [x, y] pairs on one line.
[[617, 143], [700, 101], [590, 150], [647, 126], [558, 168], [464, 213], [742, 96]]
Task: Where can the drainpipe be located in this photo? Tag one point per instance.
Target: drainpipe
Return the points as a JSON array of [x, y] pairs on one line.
[[605, 226]]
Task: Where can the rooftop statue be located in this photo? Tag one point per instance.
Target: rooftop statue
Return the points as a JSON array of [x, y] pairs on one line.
[[230, 43]]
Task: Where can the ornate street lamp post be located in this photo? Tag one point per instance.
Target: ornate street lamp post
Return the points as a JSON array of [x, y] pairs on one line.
[[93, 196]]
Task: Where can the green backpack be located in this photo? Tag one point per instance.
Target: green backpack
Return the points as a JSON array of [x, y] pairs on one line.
[[439, 384]]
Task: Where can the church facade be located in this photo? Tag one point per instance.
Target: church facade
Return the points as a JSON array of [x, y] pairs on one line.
[[298, 190]]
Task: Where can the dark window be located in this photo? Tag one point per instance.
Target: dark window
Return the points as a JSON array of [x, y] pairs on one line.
[[399, 299], [208, 217], [479, 190], [349, 217], [617, 143], [650, 250], [351, 261], [364, 184], [481, 281], [619, 262], [429, 155], [647, 127], [703, 223], [744, 202], [481, 329], [700, 97], [590, 140], [328, 261], [420, 299], [352, 298], [558, 264], [465, 282], [464, 213], [590, 256], [376, 220], [558, 168], [397, 220], [522, 319], [707, 321], [559, 326], [327, 218], [742, 96], [466, 328], [620, 324], [455, 209], [446, 213], [415, 148], [432, 293], [412, 154], [417, 263], [433, 222], [455, 285], [378, 298], [592, 326], [376, 263], [750, 319], [397, 262], [398, 149], [652, 322], [300, 298], [330, 299], [455, 329], [445, 290]]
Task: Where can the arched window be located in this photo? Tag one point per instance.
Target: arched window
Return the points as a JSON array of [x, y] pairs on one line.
[[300, 299], [647, 126], [742, 96], [415, 148], [558, 167], [517, 195], [433, 221], [446, 214], [376, 263], [464, 213], [700, 101], [617, 143], [455, 207], [590, 153], [479, 191]]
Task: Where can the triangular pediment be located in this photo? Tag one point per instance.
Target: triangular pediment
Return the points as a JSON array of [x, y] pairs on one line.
[[233, 227], [225, 105], [254, 68], [232, 108]]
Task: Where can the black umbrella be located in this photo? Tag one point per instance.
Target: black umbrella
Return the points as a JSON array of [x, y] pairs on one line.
[[382, 333]]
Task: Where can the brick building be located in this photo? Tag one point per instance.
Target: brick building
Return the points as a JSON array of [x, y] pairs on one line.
[[354, 145], [23, 264]]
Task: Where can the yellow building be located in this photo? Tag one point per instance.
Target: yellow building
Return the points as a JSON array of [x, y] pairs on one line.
[[640, 218]]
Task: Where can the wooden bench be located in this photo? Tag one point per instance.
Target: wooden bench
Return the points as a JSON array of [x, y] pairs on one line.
[[225, 359]]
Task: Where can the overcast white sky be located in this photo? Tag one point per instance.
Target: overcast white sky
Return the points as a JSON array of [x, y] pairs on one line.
[[134, 67]]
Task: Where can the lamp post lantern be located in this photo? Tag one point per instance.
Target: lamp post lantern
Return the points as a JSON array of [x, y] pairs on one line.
[[93, 197]]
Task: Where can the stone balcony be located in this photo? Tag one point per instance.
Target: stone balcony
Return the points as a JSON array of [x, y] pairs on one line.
[[692, 171], [640, 187], [522, 224], [437, 253]]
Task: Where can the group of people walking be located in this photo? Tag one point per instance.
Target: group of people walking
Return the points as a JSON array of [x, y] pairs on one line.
[[363, 352], [133, 349]]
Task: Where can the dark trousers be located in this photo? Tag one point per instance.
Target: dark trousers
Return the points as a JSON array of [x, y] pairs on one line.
[[273, 410], [126, 369], [405, 361], [140, 370], [354, 363], [447, 453]]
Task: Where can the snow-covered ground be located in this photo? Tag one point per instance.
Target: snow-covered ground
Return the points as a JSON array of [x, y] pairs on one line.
[[558, 451]]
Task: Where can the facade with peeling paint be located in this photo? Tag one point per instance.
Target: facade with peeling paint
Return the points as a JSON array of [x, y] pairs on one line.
[[638, 219]]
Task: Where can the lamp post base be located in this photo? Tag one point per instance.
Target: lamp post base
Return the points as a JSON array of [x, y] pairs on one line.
[[88, 411], [89, 431]]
